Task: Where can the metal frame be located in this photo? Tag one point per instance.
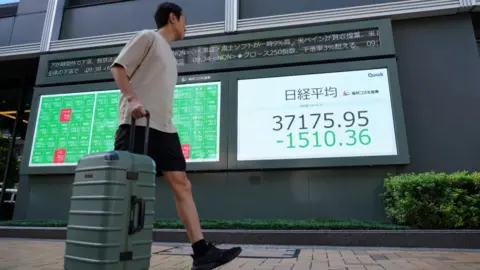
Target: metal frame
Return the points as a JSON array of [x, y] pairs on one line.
[[477, 6], [231, 16], [20, 50], [53, 23], [400, 132], [394, 10], [469, 4]]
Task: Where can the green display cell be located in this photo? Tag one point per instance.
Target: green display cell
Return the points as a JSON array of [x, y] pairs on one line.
[[210, 109], [211, 100], [45, 107], [211, 123], [198, 123], [61, 144], [41, 143], [196, 155], [46, 116], [184, 110], [197, 108], [210, 138], [52, 144], [200, 95]]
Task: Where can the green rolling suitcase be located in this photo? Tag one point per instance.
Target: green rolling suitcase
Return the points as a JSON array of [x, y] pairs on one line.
[[112, 211]]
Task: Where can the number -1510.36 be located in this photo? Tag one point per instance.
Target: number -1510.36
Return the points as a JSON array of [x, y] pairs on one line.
[[304, 139]]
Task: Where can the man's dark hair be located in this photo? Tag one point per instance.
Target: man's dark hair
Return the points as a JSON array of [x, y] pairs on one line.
[[163, 12]]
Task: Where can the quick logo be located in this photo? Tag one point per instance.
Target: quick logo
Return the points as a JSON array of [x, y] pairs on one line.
[[373, 75]]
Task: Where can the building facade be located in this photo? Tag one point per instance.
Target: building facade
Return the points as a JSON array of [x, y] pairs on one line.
[[430, 48]]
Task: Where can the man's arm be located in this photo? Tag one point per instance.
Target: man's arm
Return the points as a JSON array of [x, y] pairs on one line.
[[123, 67], [123, 82]]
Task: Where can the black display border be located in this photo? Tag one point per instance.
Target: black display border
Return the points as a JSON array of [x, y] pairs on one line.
[[43, 79], [25, 168], [402, 157], [387, 48]]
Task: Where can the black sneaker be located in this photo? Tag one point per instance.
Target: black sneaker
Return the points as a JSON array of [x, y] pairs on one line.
[[215, 257]]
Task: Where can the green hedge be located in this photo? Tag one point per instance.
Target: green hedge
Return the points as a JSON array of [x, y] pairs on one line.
[[313, 224], [434, 200]]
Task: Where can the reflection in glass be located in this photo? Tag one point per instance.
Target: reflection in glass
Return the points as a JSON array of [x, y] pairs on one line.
[[2, 2]]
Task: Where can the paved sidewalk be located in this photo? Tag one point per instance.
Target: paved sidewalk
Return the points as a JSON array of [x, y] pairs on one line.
[[48, 255]]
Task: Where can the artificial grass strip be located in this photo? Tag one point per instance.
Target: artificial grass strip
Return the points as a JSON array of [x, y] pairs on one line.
[[246, 224]]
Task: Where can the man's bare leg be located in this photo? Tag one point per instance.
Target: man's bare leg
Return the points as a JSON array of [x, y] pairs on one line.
[[186, 209], [205, 255]]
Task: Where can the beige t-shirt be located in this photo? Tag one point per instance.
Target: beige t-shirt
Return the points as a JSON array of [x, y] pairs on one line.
[[154, 80]]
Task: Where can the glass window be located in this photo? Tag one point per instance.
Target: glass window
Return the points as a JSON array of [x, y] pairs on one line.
[[476, 27], [15, 89], [8, 8], [80, 3], [2, 2]]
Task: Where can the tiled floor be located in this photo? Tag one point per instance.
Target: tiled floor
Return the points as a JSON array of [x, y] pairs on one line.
[[48, 255]]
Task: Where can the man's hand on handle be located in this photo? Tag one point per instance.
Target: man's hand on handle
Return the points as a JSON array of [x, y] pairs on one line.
[[136, 108]]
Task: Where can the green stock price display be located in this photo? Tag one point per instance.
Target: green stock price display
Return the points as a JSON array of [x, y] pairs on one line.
[[330, 115], [70, 126], [196, 114]]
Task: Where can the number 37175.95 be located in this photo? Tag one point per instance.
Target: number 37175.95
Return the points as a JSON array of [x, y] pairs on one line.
[[315, 120]]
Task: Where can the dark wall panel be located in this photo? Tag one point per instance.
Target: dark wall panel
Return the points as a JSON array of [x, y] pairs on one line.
[[327, 194], [256, 8], [208, 189], [348, 193], [6, 28], [50, 197], [439, 78], [32, 6], [132, 16], [28, 28]]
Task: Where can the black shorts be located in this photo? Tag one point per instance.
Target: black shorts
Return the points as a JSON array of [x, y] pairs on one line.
[[164, 148]]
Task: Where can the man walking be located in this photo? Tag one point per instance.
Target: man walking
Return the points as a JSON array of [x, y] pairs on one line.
[[146, 73]]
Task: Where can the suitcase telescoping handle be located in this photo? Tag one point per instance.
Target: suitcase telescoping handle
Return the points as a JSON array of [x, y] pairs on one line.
[[135, 201], [132, 134], [132, 228]]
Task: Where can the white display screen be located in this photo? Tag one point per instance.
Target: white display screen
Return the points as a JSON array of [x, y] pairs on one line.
[[330, 115]]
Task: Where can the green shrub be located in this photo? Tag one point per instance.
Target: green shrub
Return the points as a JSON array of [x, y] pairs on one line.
[[434, 200]]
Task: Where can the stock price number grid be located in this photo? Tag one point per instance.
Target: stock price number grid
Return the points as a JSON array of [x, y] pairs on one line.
[[324, 129], [313, 116]]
